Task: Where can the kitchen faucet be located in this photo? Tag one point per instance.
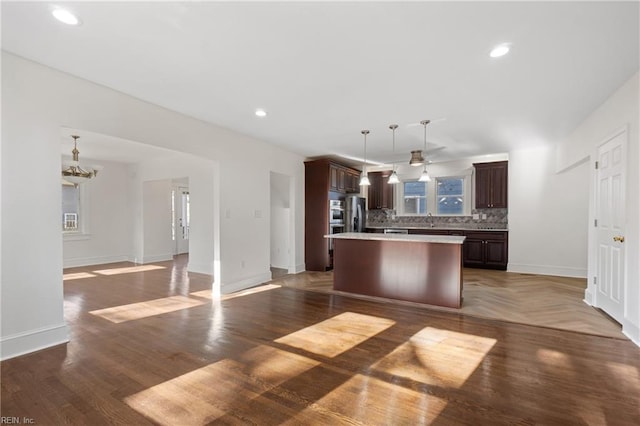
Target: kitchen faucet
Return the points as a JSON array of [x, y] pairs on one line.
[[430, 219]]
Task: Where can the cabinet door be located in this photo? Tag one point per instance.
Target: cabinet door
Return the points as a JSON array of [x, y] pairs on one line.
[[499, 185], [496, 253], [483, 187], [342, 179], [473, 252], [387, 192], [333, 178], [375, 194]]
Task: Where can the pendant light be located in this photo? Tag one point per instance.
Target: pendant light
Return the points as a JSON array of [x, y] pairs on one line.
[[424, 177], [393, 179], [364, 179], [75, 174]]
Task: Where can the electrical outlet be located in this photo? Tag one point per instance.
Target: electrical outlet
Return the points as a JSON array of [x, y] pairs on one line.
[[484, 216], [476, 216]]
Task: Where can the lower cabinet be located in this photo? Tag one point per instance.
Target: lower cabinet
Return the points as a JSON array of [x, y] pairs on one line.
[[481, 249], [485, 250]]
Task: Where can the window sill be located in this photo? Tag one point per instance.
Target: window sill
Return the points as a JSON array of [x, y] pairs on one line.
[[76, 237]]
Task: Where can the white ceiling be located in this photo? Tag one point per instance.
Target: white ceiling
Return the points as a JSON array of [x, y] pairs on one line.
[[323, 71]]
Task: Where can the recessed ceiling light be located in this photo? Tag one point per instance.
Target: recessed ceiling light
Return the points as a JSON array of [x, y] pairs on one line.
[[65, 16], [499, 50], [261, 113]]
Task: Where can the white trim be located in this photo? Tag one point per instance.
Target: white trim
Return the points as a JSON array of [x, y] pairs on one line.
[[33, 340], [296, 269], [93, 260], [200, 268], [588, 297], [245, 283], [559, 271], [632, 331], [157, 258], [75, 236]]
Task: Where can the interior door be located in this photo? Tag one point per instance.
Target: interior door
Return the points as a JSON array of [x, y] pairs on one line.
[[610, 279], [181, 219]]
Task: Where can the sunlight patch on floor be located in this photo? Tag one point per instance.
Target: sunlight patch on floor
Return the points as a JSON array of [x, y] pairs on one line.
[[336, 335], [368, 400], [146, 309], [77, 276], [128, 269], [205, 394], [437, 357], [208, 293]]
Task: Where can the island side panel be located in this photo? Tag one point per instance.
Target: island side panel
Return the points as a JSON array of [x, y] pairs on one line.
[[417, 272]]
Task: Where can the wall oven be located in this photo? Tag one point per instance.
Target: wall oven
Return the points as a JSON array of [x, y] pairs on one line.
[[336, 212]]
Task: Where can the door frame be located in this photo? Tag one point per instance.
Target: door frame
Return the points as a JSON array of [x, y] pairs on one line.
[[591, 293]]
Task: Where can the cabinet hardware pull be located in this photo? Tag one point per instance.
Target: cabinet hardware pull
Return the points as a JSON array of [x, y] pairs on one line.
[[619, 238]]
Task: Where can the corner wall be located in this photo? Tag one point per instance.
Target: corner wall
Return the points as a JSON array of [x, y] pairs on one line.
[[36, 101]]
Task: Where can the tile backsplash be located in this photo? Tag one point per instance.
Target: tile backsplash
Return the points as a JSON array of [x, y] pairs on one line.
[[495, 218]]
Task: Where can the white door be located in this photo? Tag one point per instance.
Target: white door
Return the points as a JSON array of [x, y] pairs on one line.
[[181, 219], [610, 216]]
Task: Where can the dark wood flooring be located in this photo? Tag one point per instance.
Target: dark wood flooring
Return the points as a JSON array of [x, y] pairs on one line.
[[150, 346]]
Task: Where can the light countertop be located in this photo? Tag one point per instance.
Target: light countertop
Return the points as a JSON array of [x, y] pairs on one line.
[[445, 239]]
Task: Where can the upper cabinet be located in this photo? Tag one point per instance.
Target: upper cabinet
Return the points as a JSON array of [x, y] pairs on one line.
[[380, 192], [491, 185], [343, 179]]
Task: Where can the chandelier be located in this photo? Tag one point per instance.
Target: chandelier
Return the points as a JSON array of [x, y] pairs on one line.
[[72, 172]]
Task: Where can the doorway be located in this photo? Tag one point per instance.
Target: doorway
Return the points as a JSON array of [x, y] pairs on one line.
[[610, 225], [280, 227], [180, 215]]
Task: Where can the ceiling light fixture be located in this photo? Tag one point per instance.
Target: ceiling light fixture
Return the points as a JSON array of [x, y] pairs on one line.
[[66, 17], [424, 177], [364, 179], [393, 179], [416, 158], [261, 113], [73, 172], [499, 50]]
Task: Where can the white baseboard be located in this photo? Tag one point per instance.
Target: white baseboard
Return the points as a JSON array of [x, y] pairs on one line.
[[157, 258], [200, 268], [558, 271], [588, 297], [245, 283], [632, 331], [32, 340], [93, 260], [296, 269]]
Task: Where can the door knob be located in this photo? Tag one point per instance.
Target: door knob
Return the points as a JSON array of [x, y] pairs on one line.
[[619, 238]]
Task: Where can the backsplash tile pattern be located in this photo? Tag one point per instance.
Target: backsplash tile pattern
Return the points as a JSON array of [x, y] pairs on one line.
[[496, 219]]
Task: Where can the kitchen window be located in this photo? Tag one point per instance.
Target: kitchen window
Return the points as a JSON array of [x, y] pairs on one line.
[[414, 197], [443, 196]]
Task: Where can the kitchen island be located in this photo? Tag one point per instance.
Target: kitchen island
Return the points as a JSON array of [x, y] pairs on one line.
[[415, 268]]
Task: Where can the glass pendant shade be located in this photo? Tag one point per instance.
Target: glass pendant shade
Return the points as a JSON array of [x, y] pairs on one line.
[[424, 177], [393, 179], [364, 179]]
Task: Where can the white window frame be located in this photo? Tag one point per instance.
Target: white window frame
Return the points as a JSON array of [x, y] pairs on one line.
[[82, 233], [432, 194]]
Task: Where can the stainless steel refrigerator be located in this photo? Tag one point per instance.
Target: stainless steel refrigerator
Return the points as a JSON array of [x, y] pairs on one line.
[[355, 213]]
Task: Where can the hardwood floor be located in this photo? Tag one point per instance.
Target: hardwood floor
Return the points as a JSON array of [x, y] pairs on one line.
[[151, 346], [540, 300]]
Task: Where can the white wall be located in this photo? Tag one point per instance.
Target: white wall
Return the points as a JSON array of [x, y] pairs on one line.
[[280, 221], [108, 218], [621, 110], [36, 101], [548, 215], [156, 221], [204, 214]]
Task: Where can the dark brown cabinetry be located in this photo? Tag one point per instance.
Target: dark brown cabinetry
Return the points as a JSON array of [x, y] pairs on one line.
[[481, 249], [380, 192], [491, 185], [485, 250], [324, 180]]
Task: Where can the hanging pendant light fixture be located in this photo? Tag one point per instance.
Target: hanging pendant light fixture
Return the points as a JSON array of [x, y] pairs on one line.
[[73, 172], [393, 179], [424, 177], [364, 179]]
